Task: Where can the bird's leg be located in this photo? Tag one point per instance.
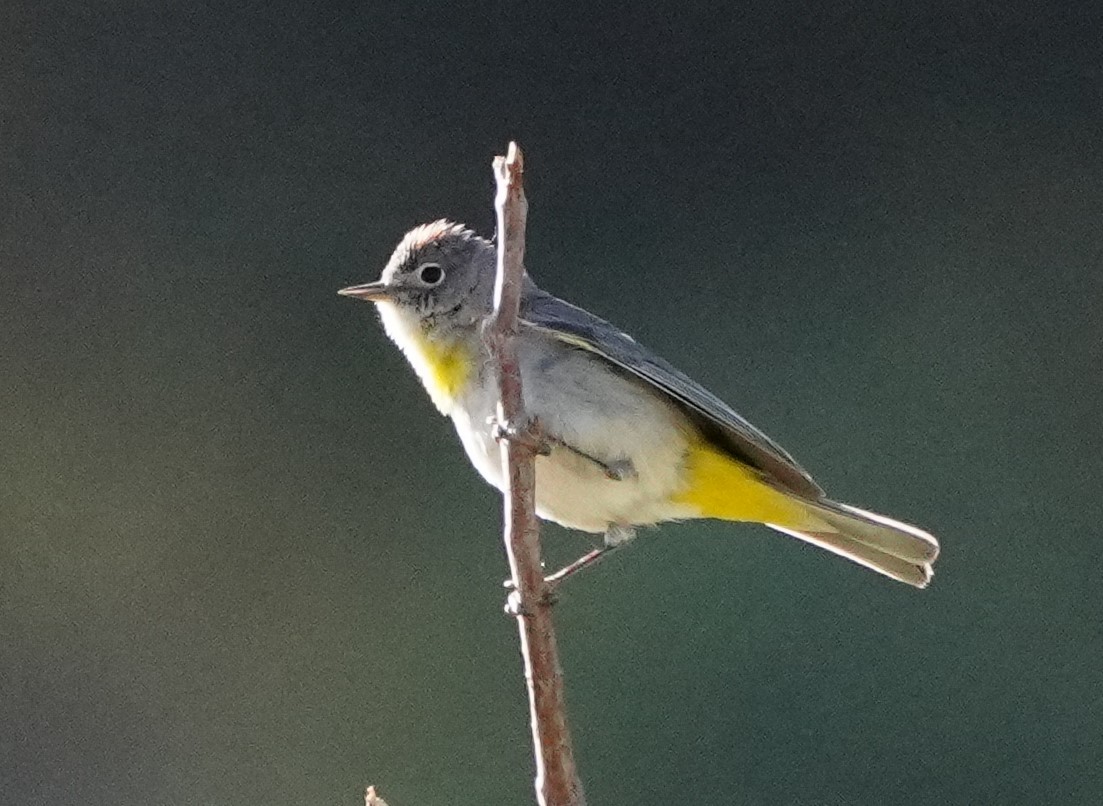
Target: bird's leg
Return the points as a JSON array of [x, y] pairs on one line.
[[534, 437], [616, 535], [617, 470]]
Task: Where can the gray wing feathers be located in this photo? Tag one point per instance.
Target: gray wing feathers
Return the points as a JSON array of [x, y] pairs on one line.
[[717, 420]]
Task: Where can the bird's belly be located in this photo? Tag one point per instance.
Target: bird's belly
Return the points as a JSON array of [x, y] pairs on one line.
[[576, 491]]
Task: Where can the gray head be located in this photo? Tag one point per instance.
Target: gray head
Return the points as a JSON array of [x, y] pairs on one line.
[[441, 275]]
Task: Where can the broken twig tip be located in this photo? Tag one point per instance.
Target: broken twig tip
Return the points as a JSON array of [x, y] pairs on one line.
[[512, 165], [514, 156]]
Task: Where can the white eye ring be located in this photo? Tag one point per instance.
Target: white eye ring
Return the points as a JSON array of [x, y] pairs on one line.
[[430, 273]]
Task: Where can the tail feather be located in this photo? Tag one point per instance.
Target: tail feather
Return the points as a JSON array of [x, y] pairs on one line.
[[897, 550], [893, 537], [916, 574]]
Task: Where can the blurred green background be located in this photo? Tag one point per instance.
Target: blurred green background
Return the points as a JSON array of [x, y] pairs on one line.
[[242, 559]]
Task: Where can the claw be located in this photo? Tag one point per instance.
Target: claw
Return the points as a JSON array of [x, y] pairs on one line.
[[530, 435], [515, 607]]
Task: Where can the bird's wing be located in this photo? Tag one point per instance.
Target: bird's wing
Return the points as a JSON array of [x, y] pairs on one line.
[[719, 423]]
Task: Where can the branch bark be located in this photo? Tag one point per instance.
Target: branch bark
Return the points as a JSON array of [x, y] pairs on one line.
[[557, 782]]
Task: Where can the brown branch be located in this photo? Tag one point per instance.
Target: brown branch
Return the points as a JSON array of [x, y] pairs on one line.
[[557, 782]]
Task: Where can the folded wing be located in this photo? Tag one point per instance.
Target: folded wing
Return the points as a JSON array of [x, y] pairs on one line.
[[717, 421]]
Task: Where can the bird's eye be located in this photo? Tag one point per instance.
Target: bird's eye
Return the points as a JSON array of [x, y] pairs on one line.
[[431, 274]]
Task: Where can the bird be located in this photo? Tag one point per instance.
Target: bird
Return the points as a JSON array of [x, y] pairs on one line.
[[629, 440]]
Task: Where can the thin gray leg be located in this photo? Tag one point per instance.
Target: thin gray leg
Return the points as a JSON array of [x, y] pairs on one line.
[[616, 535]]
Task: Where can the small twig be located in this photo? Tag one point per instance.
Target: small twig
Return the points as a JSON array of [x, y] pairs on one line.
[[372, 799], [557, 782]]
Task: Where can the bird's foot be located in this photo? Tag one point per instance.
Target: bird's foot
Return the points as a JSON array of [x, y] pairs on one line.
[[515, 606], [530, 434]]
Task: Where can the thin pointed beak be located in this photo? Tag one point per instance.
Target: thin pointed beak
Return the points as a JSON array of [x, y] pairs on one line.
[[372, 292]]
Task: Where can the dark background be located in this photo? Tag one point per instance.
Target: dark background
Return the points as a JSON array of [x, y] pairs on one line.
[[242, 559]]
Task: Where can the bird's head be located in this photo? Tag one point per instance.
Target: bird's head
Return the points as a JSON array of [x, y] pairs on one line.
[[439, 278]]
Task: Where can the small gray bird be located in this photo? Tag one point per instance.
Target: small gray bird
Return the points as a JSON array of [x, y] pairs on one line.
[[632, 441]]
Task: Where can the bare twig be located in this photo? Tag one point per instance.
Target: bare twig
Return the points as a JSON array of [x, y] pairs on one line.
[[557, 782]]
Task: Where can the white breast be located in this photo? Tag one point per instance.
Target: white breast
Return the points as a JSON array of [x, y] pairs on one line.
[[582, 401]]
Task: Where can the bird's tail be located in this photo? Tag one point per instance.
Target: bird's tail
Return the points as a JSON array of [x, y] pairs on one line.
[[892, 548]]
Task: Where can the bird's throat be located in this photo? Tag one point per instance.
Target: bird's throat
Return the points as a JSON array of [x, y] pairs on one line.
[[442, 362]]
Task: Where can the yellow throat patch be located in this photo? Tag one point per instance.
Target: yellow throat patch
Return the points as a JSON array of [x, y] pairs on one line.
[[443, 365]]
